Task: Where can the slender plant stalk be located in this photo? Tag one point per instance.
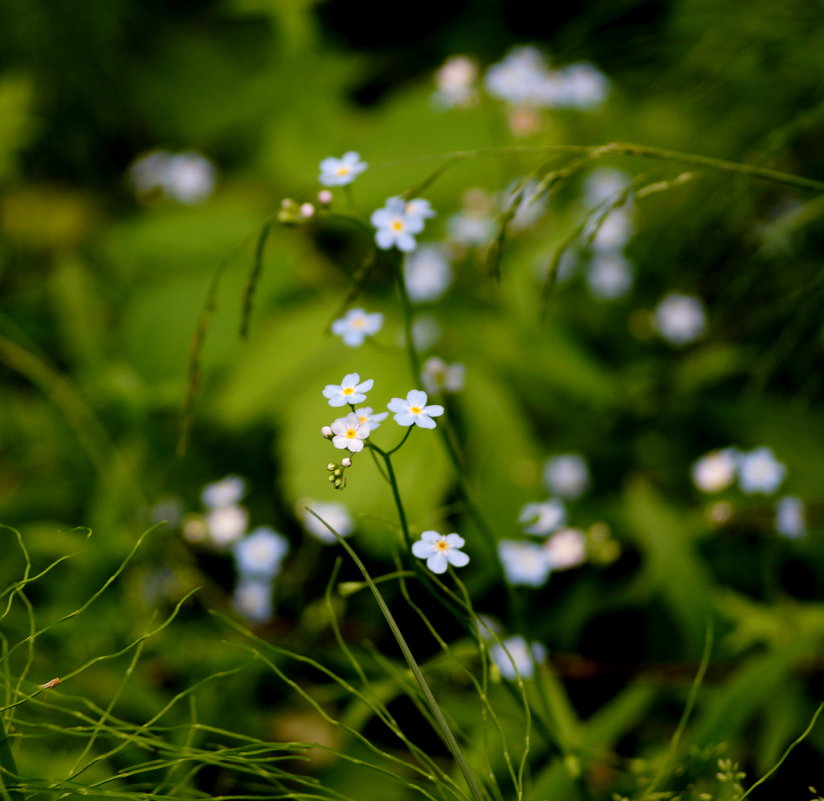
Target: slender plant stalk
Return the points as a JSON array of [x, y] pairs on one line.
[[8, 767], [442, 726]]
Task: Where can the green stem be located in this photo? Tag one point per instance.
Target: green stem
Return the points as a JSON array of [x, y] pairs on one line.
[[628, 149], [400, 444], [8, 767]]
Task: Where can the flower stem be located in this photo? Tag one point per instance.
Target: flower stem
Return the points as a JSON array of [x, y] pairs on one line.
[[8, 768], [400, 444]]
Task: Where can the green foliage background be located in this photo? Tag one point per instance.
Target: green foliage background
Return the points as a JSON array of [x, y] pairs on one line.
[[101, 298]]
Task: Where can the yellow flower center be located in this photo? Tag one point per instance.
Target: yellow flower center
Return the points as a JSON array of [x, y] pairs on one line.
[[415, 409], [397, 225], [363, 419], [359, 322], [441, 545], [342, 170], [351, 433], [348, 391]]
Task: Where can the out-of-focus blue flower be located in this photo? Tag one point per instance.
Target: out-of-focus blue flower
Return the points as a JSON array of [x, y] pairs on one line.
[[342, 171], [609, 276], [515, 657], [525, 563], [226, 492], [261, 553], [335, 514], [680, 319], [790, 517], [356, 325], [716, 470], [253, 599], [427, 273], [542, 518], [566, 475], [760, 472]]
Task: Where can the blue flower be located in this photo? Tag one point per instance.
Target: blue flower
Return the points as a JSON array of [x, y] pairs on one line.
[[350, 390], [261, 553], [440, 551], [414, 411], [342, 171], [356, 325], [525, 563], [516, 657]]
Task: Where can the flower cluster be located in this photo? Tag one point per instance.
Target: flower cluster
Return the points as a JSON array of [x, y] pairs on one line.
[[757, 472], [258, 556]]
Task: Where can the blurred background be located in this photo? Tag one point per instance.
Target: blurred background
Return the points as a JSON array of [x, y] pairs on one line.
[[144, 145]]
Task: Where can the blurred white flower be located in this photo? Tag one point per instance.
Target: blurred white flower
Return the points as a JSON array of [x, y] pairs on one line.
[[425, 332], [680, 319], [350, 390], [515, 657], [356, 325], [790, 517], [261, 553], [531, 205], [226, 524], [760, 472], [438, 376], [253, 599], [583, 86], [472, 229], [335, 514], [609, 276], [190, 178], [455, 81], [427, 273], [226, 492], [542, 518], [610, 233], [566, 475], [342, 171], [372, 420], [566, 548], [604, 184], [397, 222], [715, 471], [521, 78], [525, 563]]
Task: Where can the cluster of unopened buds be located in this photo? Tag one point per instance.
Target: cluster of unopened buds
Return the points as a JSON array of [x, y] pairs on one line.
[[336, 476]]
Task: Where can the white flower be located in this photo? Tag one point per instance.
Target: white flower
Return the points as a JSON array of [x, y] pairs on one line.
[[524, 563], [531, 205], [790, 517], [473, 229], [515, 657], [349, 390], [566, 475], [190, 178], [680, 319], [609, 276], [414, 411], [372, 420], [542, 518], [395, 226], [584, 85], [226, 492], [356, 325], [438, 376], [440, 551], [521, 79], [261, 553], [454, 80], [335, 514], [227, 524], [427, 273], [349, 433], [604, 184], [415, 209], [148, 172], [425, 332], [760, 472], [715, 471], [610, 232], [566, 548], [253, 599], [342, 171]]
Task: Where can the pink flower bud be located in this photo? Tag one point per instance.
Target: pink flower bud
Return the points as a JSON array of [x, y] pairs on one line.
[[307, 210], [325, 197], [346, 461], [326, 432]]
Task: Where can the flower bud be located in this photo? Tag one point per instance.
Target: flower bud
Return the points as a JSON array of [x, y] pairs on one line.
[[326, 432], [346, 462], [331, 466], [307, 210], [325, 197]]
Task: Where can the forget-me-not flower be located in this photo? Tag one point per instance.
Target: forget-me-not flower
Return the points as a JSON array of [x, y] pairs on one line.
[[760, 472], [566, 548], [438, 376], [440, 551], [226, 524], [566, 475], [372, 420], [349, 433], [515, 657], [680, 319], [414, 411], [342, 171], [350, 390], [396, 226], [261, 553], [356, 325], [335, 514], [226, 492], [524, 563], [542, 518], [790, 517], [253, 599], [427, 273], [715, 471]]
